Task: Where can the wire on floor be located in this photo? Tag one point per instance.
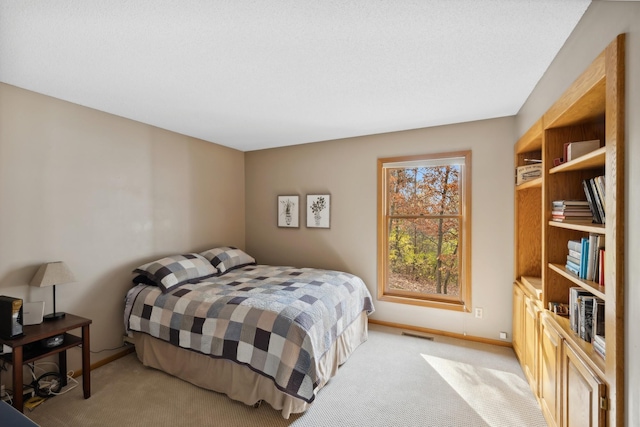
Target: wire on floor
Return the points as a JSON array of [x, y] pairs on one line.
[[49, 384]]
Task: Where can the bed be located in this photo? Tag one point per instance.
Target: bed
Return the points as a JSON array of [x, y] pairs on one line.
[[256, 333]]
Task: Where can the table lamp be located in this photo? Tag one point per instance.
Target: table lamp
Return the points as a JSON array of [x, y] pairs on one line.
[[52, 274]]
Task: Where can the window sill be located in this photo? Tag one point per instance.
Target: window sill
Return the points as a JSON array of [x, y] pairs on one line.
[[444, 305]]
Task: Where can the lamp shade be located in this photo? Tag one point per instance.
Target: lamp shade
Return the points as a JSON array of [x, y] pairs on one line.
[[51, 274]]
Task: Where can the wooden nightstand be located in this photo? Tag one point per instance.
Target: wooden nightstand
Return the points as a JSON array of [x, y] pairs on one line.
[[27, 349]]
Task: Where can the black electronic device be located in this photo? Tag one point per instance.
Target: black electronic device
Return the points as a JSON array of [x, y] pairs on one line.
[[52, 341], [10, 317]]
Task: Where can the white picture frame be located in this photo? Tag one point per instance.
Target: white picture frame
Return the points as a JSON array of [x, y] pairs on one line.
[[289, 211], [318, 210]]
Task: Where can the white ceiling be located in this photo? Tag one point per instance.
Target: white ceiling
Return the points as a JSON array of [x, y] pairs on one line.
[[253, 74]]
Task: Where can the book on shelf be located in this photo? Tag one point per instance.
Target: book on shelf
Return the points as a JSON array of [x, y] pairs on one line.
[[574, 260], [585, 319], [580, 148], [598, 273], [599, 345], [595, 198], [570, 267], [601, 252], [570, 216], [592, 256], [584, 251], [598, 317], [573, 150], [599, 181], [574, 245], [577, 212], [569, 203], [575, 295]]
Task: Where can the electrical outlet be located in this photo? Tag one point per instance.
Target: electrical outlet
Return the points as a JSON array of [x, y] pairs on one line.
[[478, 313], [503, 335]]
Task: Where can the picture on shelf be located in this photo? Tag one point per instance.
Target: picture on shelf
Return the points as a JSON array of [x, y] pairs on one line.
[[559, 308], [288, 211]]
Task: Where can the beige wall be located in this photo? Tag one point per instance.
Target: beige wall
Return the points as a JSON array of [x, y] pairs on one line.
[[104, 194], [602, 22], [346, 169]]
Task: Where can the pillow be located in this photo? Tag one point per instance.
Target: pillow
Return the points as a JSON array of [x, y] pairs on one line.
[[227, 258], [175, 270], [141, 279]]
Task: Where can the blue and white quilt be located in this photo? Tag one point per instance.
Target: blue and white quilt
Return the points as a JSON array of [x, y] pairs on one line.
[[279, 321]]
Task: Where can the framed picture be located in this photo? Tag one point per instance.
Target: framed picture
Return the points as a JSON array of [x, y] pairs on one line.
[[318, 210], [288, 211]]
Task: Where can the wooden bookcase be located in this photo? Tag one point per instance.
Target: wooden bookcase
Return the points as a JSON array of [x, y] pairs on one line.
[[574, 385]]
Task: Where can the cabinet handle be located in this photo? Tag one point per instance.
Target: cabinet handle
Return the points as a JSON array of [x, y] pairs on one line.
[[604, 403]]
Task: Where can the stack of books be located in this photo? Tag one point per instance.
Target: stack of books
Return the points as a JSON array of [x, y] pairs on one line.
[[571, 210], [586, 258], [574, 257], [599, 345]]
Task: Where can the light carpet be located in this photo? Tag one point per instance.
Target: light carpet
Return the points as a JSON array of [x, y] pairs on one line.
[[390, 380]]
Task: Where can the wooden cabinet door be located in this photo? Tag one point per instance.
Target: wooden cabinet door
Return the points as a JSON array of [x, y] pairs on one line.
[[582, 392], [518, 322], [531, 315], [549, 373]]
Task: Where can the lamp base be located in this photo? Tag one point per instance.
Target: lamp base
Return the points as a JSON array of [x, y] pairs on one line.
[[54, 316]]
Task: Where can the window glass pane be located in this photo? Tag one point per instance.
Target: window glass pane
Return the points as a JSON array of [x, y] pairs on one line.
[[424, 256], [429, 190]]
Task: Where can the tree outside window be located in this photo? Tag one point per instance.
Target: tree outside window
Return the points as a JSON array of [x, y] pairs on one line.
[[424, 230]]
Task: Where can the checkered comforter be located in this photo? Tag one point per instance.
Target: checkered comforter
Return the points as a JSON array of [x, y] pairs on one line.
[[279, 321]]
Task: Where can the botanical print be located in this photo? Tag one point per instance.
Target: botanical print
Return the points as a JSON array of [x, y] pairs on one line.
[[318, 212], [288, 211]]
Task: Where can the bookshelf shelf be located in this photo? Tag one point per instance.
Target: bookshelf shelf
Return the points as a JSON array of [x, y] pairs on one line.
[[592, 160], [534, 183], [578, 226], [567, 375], [592, 287]]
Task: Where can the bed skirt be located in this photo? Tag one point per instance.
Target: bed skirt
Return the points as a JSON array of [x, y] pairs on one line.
[[239, 382]]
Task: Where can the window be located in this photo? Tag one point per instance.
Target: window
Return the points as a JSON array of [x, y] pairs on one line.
[[424, 230]]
